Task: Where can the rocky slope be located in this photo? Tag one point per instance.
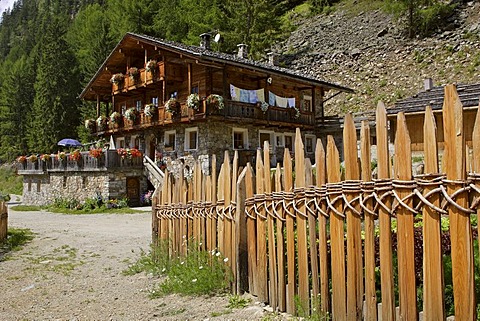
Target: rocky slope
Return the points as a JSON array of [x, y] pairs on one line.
[[367, 52]]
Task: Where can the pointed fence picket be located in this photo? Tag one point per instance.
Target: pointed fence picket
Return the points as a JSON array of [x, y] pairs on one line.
[[306, 241]]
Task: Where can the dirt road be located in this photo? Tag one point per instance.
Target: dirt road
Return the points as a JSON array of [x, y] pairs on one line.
[[72, 270]]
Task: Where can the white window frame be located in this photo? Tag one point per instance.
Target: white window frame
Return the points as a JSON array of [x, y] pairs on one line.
[[187, 138], [244, 131], [271, 141], [138, 104], [166, 138], [314, 142], [309, 99]]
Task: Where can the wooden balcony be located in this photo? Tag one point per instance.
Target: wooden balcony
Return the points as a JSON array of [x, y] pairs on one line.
[[110, 160], [233, 111], [146, 78]]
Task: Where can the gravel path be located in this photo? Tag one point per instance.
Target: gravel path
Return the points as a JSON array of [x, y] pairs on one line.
[[72, 270]]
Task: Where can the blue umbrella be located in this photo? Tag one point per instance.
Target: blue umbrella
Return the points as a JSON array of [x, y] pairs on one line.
[[69, 142]]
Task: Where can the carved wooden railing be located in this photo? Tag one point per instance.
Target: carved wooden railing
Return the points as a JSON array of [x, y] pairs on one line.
[[109, 160]]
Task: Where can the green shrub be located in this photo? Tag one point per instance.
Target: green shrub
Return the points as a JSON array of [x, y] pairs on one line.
[[10, 182]]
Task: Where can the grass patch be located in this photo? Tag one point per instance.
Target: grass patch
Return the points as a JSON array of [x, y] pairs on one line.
[[26, 208], [198, 273], [62, 260], [16, 238], [99, 210], [10, 182], [237, 302]]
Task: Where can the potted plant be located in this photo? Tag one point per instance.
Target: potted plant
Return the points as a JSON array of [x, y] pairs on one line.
[[171, 106], [32, 158], [117, 79], [96, 152], [133, 73], [131, 114], [297, 112], [101, 123], [76, 155], [151, 65], [193, 101], [215, 101], [90, 125], [263, 106], [22, 161], [115, 119], [150, 110], [46, 158]]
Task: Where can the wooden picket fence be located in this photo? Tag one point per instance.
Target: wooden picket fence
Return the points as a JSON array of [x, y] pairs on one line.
[[3, 220], [301, 237]]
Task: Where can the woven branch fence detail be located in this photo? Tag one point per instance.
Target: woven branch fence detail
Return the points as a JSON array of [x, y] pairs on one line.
[[300, 236]]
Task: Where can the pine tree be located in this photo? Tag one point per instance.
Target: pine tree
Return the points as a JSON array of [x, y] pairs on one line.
[[55, 112], [16, 100]]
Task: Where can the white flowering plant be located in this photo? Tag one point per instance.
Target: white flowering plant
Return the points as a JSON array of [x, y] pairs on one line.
[[150, 66], [117, 78], [171, 106], [193, 101], [150, 110], [131, 114], [215, 101], [263, 106]]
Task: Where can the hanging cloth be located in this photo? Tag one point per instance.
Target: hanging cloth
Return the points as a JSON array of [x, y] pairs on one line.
[[291, 102], [281, 101]]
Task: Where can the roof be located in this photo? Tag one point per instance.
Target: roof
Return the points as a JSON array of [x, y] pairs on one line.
[[468, 94], [219, 57]]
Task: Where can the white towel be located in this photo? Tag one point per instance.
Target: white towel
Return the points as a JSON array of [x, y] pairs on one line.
[[291, 102], [261, 95], [281, 101]]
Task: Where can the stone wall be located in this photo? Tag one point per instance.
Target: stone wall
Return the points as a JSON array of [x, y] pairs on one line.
[[43, 189]]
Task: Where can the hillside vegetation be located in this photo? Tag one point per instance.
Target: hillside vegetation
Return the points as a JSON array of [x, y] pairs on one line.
[[50, 49]]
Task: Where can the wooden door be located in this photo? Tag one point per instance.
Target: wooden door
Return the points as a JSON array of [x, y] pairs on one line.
[[133, 191]]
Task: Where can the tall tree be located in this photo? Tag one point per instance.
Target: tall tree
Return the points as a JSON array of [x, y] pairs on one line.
[[55, 113], [16, 97]]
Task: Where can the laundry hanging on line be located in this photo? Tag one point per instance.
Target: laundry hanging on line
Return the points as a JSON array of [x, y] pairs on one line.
[[246, 95], [279, 101]]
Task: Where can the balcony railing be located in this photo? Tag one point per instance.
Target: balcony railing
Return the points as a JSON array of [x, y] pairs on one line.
[[232, 110], [109, 160]]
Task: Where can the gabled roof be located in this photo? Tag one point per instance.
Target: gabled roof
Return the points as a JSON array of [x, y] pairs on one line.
[[217, 57], [468, 94]]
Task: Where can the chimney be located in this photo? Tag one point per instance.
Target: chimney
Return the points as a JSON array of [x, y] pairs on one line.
[[272, 59], [242, 51], [428, 84], [205, 41]]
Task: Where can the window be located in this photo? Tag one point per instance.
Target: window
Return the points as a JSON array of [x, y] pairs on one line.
[[155, 101], [123, 108], [266, 136], [138, 105], [279, 140], [289, 142], [240, 138], [120, 142], [307, 103], [169, 140], [191, 138], [309, 143], [194, 90]]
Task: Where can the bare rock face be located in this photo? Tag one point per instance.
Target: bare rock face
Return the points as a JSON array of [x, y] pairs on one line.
[[369, 53]]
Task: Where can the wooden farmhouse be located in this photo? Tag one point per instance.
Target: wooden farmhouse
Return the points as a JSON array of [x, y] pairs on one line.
[[414, 109], [175, 100]]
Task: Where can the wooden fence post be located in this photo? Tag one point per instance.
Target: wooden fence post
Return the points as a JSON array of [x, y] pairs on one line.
[[386, 265], [433, 284], [3, 220], [354, 227], [460, 227], [288, 186], [405, 232], [322, 230], [240, 242], [303, 275], [251, 233], [280, 244], [337, 237], [272, 256], [262, 280], [370, 294]]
